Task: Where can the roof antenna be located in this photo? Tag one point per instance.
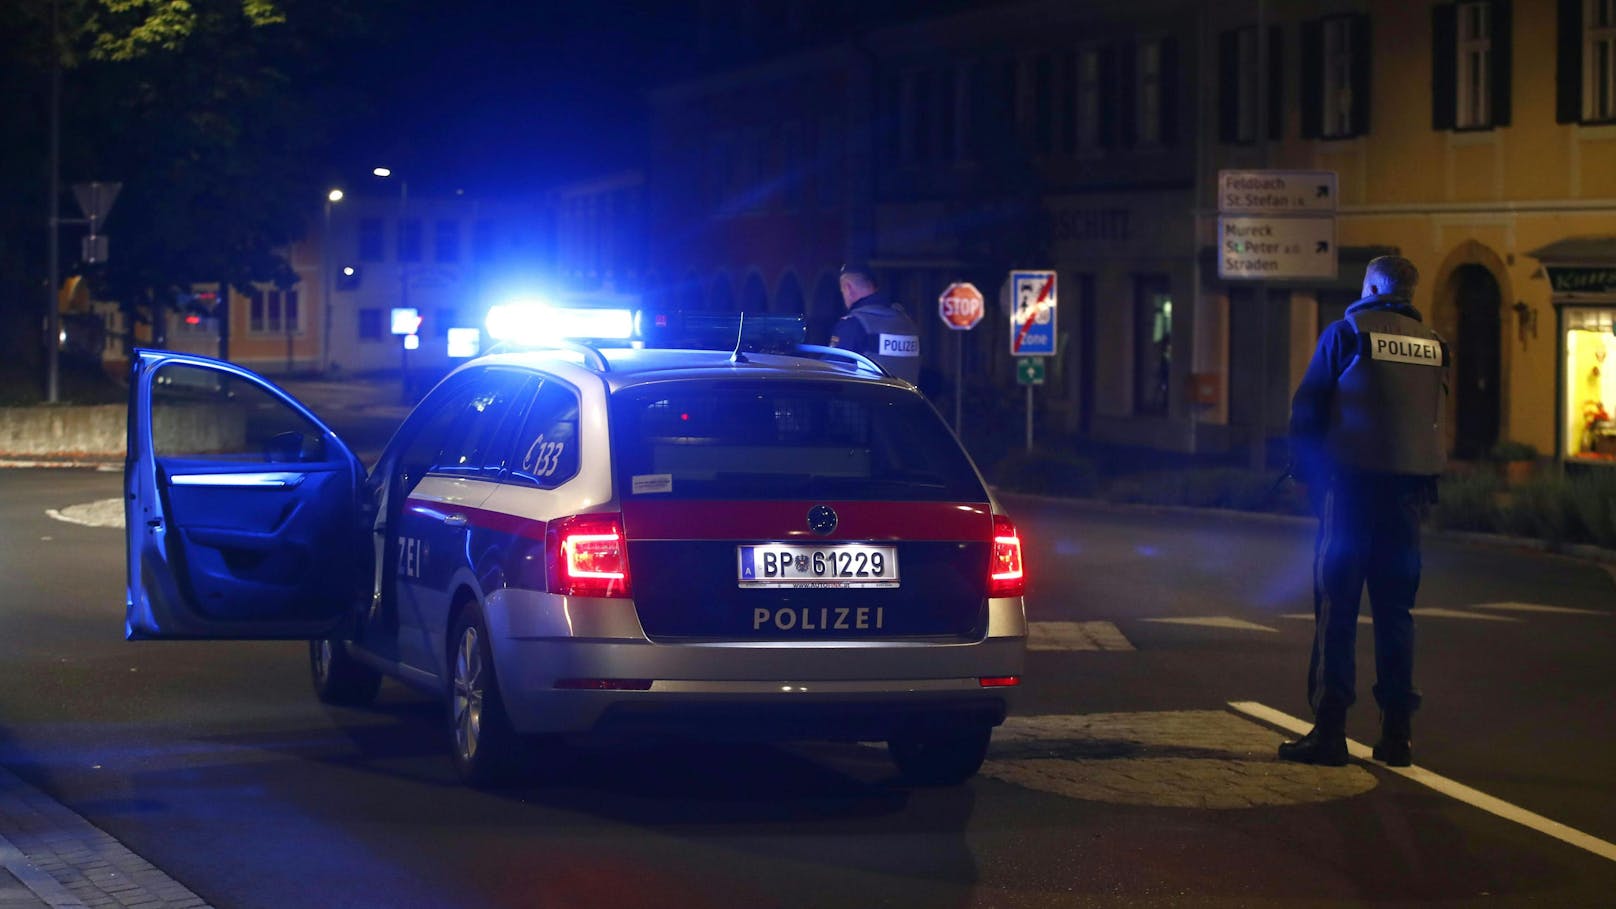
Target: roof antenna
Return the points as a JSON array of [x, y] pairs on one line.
[[737, 356]]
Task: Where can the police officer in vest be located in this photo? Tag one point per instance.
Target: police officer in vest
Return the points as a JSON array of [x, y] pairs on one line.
[[875, 326], [1366, 437]]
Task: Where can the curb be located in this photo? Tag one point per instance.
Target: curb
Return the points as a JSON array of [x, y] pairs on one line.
[[1579, 551]]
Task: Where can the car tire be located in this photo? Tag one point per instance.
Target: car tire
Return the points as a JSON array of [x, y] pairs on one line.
[[486, 750], [940, 759], [339, 678]]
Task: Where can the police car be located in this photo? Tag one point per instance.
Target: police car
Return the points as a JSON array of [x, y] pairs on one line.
[[587, 541]]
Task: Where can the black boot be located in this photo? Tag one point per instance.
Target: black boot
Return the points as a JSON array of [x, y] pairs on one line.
[[1326, 744], [1396, 745]]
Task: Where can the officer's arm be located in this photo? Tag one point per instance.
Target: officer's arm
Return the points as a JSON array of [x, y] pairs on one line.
[[848, 334], [1310, 406]]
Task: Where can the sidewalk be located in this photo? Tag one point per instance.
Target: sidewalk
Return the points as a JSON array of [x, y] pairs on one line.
[[52, 857]]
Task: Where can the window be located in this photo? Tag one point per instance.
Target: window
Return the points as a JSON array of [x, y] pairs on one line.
[[273, 312], [1470, 64], [370, 240], [1238, 66], [1088, 99], [446, 241], [769, 440], [446, 319], [202, 413], [1153, 346], [482, 240], [1150, 93], [1599, 61], [1475, 55], [471, 443], [1590, 430], [828, 184], [545, 452], [1335, 77], [370, 324], [409, 241], [1043, 104]]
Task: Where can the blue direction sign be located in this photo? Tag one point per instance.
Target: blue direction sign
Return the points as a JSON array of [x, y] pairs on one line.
[[1032, 313]]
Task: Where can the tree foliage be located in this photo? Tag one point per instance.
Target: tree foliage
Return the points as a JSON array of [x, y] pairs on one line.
[[217, 116]]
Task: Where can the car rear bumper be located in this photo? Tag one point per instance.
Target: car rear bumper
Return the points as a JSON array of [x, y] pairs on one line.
[[798, 689]]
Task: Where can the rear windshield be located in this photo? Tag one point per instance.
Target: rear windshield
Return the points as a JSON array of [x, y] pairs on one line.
[[779, 440]]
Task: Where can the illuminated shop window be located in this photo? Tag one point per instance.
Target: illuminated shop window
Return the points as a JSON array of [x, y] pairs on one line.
[[1590, 384]]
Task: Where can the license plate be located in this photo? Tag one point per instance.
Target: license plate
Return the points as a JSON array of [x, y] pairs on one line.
[[796, 565]]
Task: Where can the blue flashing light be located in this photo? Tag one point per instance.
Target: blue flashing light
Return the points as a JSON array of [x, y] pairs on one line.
[[757, 333], [536, 323]]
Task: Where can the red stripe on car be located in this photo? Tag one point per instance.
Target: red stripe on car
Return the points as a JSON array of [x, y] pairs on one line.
[[775, 520]]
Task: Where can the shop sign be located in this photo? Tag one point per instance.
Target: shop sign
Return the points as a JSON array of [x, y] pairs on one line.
[[1583, 279]]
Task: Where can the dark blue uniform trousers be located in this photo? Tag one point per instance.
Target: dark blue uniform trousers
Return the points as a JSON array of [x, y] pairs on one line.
[[1369, 535]]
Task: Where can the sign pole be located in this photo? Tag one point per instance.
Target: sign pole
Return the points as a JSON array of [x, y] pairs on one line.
[[1029, 418], [959, 379]]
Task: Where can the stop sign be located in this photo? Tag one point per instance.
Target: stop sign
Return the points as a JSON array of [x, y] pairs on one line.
[[961, 306]]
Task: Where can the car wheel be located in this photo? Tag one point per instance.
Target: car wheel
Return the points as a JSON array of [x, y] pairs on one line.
[[487, 751], [339, 678], [940, 760]]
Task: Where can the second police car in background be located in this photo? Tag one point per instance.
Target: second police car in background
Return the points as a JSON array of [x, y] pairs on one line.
[[578, 541]]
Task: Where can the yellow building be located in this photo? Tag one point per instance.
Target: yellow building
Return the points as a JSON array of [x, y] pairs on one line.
[[1477, 139]]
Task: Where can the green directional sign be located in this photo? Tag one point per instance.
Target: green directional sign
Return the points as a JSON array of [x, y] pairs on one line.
[[1030, 371]]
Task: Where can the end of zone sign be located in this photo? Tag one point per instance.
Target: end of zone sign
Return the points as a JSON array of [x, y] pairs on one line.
[[1032, 313]]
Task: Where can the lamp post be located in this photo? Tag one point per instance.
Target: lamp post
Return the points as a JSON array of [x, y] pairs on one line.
[[331, 199], [403, 277]]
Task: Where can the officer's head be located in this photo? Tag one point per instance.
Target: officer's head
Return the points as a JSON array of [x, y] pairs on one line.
[[858, 282], [1390, 276]]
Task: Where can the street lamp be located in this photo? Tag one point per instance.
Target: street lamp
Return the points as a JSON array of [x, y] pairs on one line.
[[331, 198]]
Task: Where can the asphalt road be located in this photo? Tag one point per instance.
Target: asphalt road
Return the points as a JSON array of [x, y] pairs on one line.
[[1128, 780]]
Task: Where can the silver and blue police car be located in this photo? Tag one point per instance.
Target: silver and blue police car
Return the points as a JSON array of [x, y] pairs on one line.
[[588, 541]]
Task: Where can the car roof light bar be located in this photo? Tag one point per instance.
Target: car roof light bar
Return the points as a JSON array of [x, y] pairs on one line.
[[592, 356]]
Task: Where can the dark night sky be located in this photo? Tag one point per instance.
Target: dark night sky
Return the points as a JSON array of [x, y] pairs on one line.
[[502, 95]]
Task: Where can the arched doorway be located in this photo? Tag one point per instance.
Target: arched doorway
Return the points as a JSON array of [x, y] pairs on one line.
[[754, 296], [827, 308], [788, 298], [723, 296], [1476, 356]]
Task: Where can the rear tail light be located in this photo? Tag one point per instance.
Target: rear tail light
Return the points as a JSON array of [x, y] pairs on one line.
[[586, 555], [1005, 575]]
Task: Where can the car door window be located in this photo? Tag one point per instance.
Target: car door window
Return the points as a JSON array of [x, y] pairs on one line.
[[200, 413], [546, 449], [469, 444], [424, 435]]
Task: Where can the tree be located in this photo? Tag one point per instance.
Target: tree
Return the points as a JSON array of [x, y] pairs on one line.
[[216, 115]]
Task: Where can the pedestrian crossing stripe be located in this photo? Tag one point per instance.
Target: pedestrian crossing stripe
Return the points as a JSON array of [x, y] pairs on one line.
[[1217, 621], [1076, 636], [1431, 613], [1538, 607]]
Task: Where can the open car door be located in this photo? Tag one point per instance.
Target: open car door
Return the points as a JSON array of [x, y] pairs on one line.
[[242, 511]]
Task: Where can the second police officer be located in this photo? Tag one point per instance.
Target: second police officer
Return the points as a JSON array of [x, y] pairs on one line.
[[876, 326], [1367, 439]]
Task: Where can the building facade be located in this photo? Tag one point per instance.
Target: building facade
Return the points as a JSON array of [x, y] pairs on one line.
[[1477, 138]]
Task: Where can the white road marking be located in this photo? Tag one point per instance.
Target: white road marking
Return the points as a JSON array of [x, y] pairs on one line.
[[1538, 607], [1447, 787], [100, 513], [1075, 636], [1461, 614], [1364, 617], [1218, 621]]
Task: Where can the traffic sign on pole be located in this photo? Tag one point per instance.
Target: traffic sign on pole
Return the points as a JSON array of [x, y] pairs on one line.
[[961, 306], [1032, 313], [95, 200], [1276, 192], [1260, 246], [1030, 371]]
